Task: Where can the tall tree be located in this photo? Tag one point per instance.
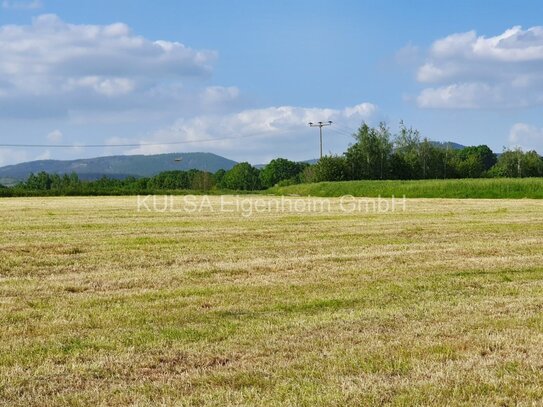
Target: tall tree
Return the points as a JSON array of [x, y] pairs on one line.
[[369, 156], [405, 158]]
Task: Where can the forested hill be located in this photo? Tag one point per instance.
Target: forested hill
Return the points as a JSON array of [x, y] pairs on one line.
[[119, 166]]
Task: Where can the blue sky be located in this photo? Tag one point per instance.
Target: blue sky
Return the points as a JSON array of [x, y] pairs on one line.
[[252, 73]]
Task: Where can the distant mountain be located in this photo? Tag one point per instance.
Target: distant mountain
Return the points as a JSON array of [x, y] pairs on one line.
[[450, 144], [120, 166], [312, 161]]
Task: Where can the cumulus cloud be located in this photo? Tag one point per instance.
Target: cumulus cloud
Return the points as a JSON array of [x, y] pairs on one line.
[[464, 95], [52, 68], [218, 95], [526, 136], [46, 155], [261, 134], [106, 80], [11, 156], [22, 5], [470, 71], [55, 136]]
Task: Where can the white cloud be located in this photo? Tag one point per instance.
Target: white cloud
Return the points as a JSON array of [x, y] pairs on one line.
[[104, 86], [460, 96], [12, 156], [22, 5], [46, 155], [217, 95], [360, 111], [526, 136], [55, 136], [53, 68], [473, 71], [9, 156], [259, 134], [106, 80]]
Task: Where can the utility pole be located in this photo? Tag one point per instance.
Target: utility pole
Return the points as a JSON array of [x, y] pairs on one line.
[[320, 125]]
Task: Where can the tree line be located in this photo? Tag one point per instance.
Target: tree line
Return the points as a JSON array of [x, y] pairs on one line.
[[376, 154]]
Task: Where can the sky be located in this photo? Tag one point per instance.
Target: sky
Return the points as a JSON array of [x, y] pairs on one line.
[[242, 78]]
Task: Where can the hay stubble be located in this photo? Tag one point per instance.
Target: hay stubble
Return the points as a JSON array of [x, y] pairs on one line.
[[103, 305]]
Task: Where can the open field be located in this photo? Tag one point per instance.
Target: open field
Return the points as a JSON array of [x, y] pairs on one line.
[[485, 188], [103, 305]]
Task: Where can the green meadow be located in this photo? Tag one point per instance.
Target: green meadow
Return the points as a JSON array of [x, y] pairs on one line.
[[481, 188]]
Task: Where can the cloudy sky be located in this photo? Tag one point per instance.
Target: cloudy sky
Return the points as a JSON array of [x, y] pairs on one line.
[[243, 78]]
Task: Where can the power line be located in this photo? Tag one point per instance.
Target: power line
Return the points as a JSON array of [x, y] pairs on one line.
[[130, 144], [340, 132], [345, 128]]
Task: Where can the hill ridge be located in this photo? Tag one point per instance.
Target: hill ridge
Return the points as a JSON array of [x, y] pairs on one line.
[[119, 166]]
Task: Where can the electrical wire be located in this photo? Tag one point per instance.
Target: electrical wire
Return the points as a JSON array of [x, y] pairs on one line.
[[345, 128], [341, 132], [338, 129], [132, 144]]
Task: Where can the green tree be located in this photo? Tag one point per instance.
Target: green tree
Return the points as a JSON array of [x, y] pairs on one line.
[[469, 167], [308, 175], [533, 164], [202, 181], [170, 180], [414, 158], [219, 178], [40, 182], [432, 160], [474, 161], [405, 158], [73, 180], [369, 157], [516, 164], [488, 157], [242, 176], [425, 150], [56, 182], [278, 170], [331, 168]]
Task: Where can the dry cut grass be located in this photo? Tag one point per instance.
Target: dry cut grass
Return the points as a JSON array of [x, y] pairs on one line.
[[103, 305]]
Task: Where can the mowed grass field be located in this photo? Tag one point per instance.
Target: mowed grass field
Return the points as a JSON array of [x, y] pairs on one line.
[[103, 305]]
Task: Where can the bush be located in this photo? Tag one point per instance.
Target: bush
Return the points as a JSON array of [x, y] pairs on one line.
[[331, 168], [242, 176], [278, 170]]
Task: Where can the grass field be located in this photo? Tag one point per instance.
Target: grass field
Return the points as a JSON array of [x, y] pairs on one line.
[[440, 304], [480, 188]]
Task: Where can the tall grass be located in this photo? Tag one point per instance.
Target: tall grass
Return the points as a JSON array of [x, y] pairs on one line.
[[511, 188]]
